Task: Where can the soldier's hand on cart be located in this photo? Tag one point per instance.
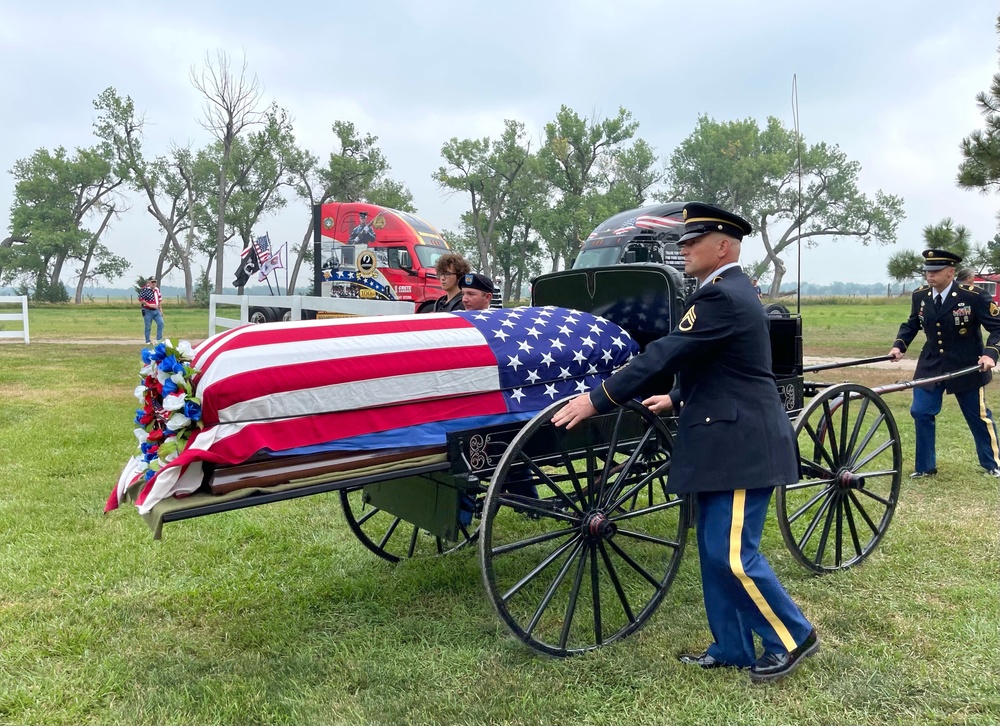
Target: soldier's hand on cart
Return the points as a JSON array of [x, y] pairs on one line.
[[896, 354], [578, 409], [986, 363], [659, 404]]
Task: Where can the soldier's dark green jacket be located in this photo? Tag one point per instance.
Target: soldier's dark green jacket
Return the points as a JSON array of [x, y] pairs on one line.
[[954, 334]]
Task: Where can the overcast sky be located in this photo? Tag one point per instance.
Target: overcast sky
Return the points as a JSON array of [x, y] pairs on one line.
[[892, 83]]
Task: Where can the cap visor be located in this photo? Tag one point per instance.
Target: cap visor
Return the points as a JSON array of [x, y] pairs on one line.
[[690, 236]]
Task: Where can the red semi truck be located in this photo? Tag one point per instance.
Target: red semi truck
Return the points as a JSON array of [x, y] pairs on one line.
[[369, 252], [376, 253]]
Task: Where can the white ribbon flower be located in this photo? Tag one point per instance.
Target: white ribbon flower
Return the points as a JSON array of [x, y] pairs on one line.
[[140, 392], [174, 402], [178, 422], [184, 350], [141, 435]]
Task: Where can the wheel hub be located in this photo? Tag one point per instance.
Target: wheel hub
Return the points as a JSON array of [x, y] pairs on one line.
[[847, 479], [597, 526]]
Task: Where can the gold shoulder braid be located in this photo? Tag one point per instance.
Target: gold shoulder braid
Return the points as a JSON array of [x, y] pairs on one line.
[[687, 322]]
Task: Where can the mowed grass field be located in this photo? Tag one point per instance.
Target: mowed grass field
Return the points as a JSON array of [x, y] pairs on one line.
[[278, 615]]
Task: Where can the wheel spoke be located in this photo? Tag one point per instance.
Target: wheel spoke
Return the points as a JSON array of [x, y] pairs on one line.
[[539, 507], [550, 593], [851, 526], [537, 570], [616, 583], [820, 447], [660, 472], [633, 564], [595, 589], [809, 483], [805, 507], [828, 424], [647, 538], [857, 428], [825, 534], [528, 542], [864, 514], [632, 513], [389, 532], [571, 601], [807, 535], [881, 449], [549, 483]]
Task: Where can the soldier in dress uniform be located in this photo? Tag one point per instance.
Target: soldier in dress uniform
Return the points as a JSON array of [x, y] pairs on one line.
[[728, 400], [951, 316]]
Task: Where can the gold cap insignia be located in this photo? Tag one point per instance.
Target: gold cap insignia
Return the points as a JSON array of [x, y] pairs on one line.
[[687, 322], [994, 309]]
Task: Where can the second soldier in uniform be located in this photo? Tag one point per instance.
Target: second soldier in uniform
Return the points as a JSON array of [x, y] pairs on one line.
[[951, 316]]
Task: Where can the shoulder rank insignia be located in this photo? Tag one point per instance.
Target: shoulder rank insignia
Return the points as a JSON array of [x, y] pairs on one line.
[[921, 289], [687, 322], [994, 309], [717, 278]]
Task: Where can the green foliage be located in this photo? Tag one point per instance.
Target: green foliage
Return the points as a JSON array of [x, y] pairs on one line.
[[487, 171], [980, 166], [55, 195], [755, 172], [904, 265], [203, 291], [582, 160], [50, 292]]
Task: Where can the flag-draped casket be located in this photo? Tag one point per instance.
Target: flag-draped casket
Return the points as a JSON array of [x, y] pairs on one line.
[[283, 389]]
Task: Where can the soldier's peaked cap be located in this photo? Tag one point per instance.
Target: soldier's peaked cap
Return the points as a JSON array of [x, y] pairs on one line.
[[939, 259], [476, 282], [702, 218]]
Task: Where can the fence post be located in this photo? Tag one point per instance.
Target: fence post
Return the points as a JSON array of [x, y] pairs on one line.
[[22, 316]]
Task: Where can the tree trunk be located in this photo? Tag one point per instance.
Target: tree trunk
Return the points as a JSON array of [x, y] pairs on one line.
[[293, 280], [220, 224]]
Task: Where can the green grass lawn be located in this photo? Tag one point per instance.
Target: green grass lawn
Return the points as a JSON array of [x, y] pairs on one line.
[[277, 615]]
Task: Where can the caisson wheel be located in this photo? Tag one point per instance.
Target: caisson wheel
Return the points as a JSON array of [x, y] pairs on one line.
[[851, 469], [394, 539], [580, 540]]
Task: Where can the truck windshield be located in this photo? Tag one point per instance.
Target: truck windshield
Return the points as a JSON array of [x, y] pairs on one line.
[[427, 256], [598, 256]]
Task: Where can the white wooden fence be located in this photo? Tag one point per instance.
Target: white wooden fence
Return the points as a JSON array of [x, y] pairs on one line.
[[296, 304], [22, 316]]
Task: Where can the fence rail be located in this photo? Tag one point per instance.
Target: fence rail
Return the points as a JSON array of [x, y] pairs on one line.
[[21, 316], [295, 304]]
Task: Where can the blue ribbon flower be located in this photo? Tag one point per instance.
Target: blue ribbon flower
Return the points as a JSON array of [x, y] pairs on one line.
[[192, 410]]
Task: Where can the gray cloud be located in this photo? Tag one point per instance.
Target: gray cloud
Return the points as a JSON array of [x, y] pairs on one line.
[[893, 84]]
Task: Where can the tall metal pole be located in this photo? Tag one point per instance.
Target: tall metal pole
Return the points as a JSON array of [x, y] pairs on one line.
[[798, 156]]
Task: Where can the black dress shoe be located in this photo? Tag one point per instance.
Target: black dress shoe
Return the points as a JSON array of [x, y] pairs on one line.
[[923, 474], [702, 660], [772, 666]]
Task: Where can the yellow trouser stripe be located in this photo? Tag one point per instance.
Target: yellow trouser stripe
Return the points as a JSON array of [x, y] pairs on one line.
[[989, 425], [736, 565]]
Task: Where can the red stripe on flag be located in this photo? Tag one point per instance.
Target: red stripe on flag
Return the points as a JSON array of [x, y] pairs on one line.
[[250, 384], [280, 333]]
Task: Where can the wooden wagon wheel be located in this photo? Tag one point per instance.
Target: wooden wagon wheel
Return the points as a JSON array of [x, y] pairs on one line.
[[391, 537], [579, 539], [851, 468]]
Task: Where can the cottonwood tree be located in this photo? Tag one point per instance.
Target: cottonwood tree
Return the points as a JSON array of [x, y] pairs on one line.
[[485, 170], [56, 195], [232, 104], [166, 181], [261, 164], [755, 172], [577, 159], [357, 171]]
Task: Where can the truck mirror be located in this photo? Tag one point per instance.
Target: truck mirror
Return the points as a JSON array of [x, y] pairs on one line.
[[404, 261]]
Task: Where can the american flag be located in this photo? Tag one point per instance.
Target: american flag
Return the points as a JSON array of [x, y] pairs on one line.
[[147, 294], [629, 224], [273, 263], [647, 221], [262, 246], [284, 387]]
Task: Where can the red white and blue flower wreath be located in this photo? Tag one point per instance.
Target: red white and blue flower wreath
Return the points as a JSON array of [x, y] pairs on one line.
[[170, 412]]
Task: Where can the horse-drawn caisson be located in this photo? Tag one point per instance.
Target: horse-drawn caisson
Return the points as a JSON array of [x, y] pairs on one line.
[[435, 432]]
